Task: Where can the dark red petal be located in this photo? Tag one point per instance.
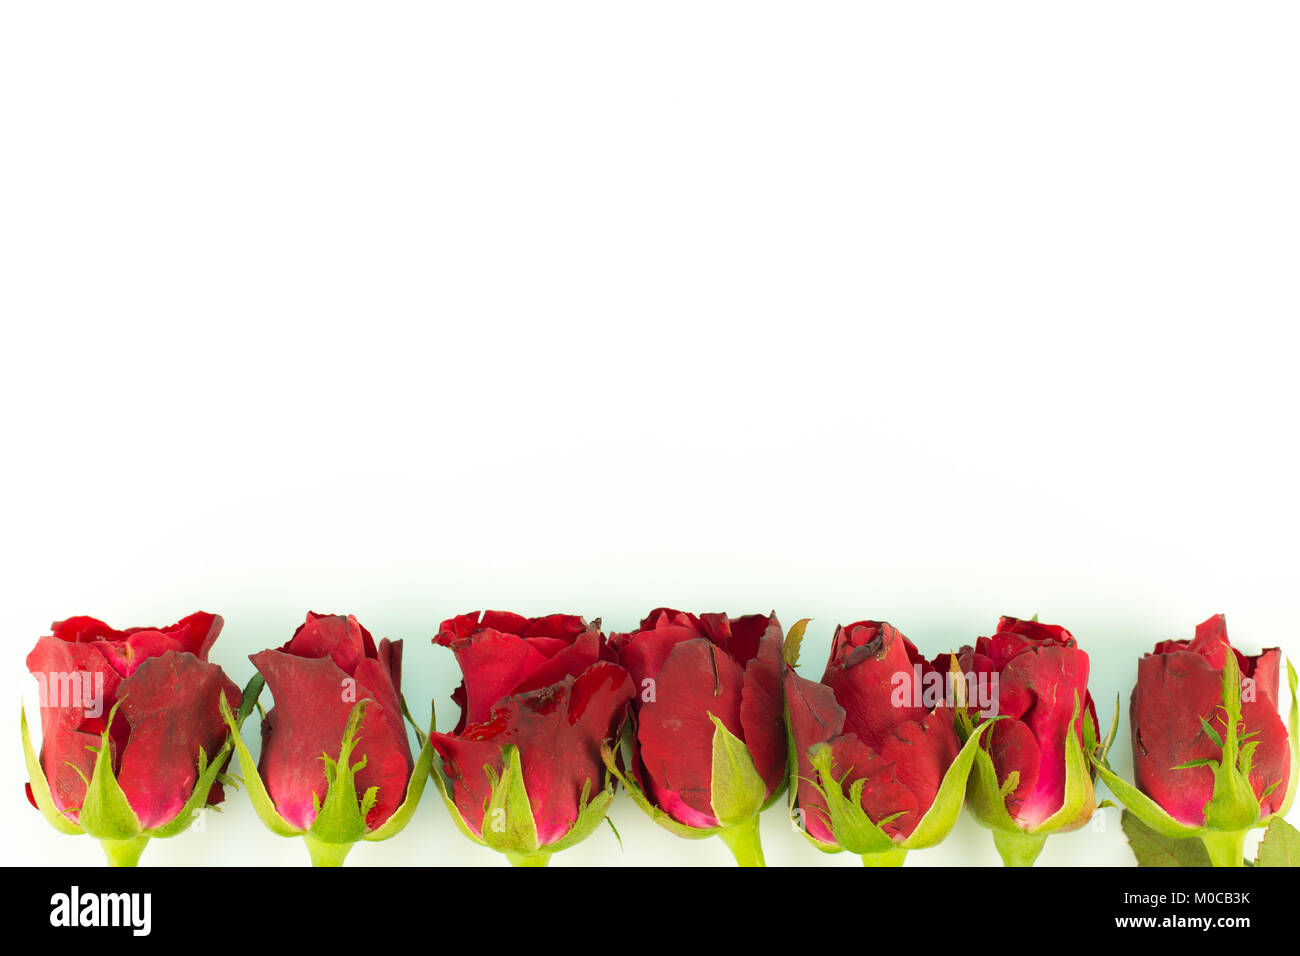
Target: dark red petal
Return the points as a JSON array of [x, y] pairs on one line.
[[570, 661], [68, 760], [815, 718], [558, 731], [1035, 632], [562, 627], [493, 664], [747, 635], [71, 678], [884, 795], [675, 734], [1048, 677], [171, 705], [505, 622], [1013, 748], [644, 653], [921, 755], [83, 630], [863, 676], [339, 637], [1173, 692], [309, 719], [1271, 762], [762, 707]]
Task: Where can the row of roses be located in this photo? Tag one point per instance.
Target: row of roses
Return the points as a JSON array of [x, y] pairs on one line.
[[703, 719]]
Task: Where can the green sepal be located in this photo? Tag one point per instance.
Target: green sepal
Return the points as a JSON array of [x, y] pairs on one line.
[[853, 829], [1080, 799], [639, 798], [986, 798], [942, 815], [340, 817], [984, 795], [198, 799], [444, 785], [1294, 725], [263, 805], [1233, 806], [1104, 749], [736, 792], [106, 813], [414, 786], [590, 813], [508, 804], [41, 786]]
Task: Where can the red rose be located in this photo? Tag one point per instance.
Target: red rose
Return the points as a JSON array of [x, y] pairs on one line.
[[706, 682], [522, 772], [150, 695], [317, 679], [879, 731], [1041, 671], [1177, 710]]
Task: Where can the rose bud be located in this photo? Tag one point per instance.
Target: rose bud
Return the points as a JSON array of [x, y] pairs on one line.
[[706, 749], [880, 769], [1211, 758], [522, 772], [1031, 776], [336, 765], [132, 739]]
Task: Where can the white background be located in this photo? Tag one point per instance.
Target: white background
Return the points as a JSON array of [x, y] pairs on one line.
[[924, 312]]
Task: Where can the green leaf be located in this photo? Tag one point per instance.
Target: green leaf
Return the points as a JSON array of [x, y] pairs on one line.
[[942, 815], [106, 814], [41, 786], [1280, 846], [508, 824], [794, 642], [1153, 848], [257, 794], [737, 791], [414, 789]]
